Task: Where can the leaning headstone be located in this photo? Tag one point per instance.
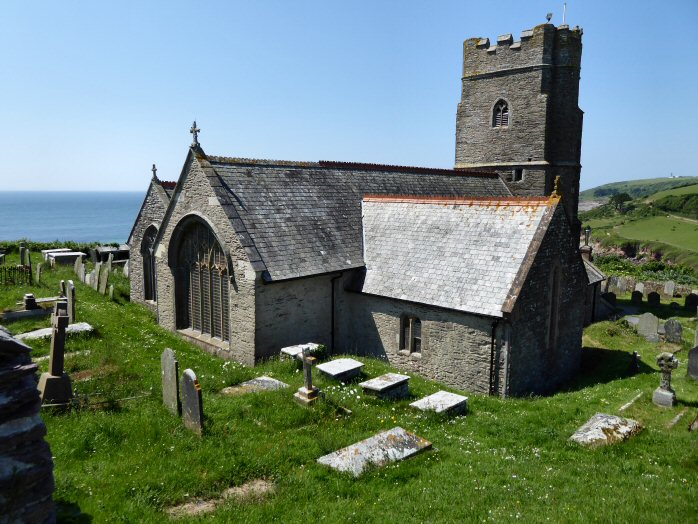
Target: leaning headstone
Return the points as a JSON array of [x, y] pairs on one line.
[[389, 386], [104, 280], [664, 396], [26, 464], [653, 299], [76, 266], [378, 450], [308, 394], [29, 261], [70, 295], [693, 363], [54, 385], [192, 402], [98, 273], [443, 402], [640, 287], [636, 297], [170, 381], [111, 291], [691, 302], [110, 259], [673, 331], [126, 269], [38, 272], [603, 429], [648, 326], [669, 288]]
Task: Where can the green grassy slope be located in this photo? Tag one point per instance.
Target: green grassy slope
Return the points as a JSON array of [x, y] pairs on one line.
[[684, 190], [129, 460], [635, 188], [673, 231]]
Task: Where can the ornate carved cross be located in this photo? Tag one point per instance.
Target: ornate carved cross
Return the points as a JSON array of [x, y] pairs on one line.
[[195, 131]]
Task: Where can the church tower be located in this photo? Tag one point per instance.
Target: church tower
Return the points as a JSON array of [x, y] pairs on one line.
[[519, 113]]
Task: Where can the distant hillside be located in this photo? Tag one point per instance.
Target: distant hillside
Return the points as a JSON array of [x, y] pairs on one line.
[[675, 192], [636, 188]]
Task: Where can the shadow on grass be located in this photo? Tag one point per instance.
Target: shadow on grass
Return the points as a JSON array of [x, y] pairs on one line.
[[663, 311], [600, 366], [70, 513]]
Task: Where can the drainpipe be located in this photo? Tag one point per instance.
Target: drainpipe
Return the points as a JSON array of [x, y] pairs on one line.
[[492, 358]]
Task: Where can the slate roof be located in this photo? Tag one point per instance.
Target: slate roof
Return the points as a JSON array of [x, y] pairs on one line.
[[461, 254], [168, 187], [594, 274], [298, 219]]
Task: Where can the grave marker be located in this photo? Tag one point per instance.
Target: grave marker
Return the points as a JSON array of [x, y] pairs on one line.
[[38, 273], [54, 385], [389, 386], [669, 288], [443, 402], [110, 259], [673, 331], [342, 369], [640, 287], [70, 292], [22, 253], [664, 396], [104, 280], [693, 363], [126, 269], [653, 299], [691, 302], [603, 429], [647, 327], [97, 274], [636, 297], [169, 367], [308, 394], [76, 266], [192, 403]]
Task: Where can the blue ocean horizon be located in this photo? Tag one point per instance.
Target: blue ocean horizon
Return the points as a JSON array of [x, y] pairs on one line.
[[81, 216]]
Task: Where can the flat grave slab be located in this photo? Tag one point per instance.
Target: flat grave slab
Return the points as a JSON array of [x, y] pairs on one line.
[[389, 386], [381, 449], [72, 329], [297, 350], [46, 252], [443, 402], [343, 369], [255, 385], [602, 429], [67, 257]]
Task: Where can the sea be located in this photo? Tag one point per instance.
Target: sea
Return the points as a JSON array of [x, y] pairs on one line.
[[81, 216]]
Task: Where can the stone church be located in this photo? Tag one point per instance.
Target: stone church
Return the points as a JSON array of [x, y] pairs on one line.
[[471, 276]]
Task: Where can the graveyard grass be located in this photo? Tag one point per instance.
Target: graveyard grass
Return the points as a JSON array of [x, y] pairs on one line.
[[130, 459]]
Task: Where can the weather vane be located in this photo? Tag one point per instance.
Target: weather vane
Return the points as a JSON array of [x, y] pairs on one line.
[[195, 131]]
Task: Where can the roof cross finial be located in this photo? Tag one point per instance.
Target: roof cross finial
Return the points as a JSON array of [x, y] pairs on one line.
[[155, 172], [195, 131]]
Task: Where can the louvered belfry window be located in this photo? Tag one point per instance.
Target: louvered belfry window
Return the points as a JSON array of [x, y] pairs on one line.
[[500, 118], [147, 247], [203, 300]]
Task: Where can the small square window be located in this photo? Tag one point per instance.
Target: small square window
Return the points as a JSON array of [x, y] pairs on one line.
[[517, 175]]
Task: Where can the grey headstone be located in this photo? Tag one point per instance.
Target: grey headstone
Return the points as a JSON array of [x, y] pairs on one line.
[[636, 297], [378, 450], [296, 352], [22, 253], [104, 280], [111, 291], [602, 429], [622, 285], [39, 268], [640, 287], [76, 266], [98, 273], [110, 259], [691, 302], [669, 288], [70, 295], [192, 402], [126, 269], [443, 402], [653, 299], [647, 327], [72, 329], [673, 331], [693, 363], [170, 381]]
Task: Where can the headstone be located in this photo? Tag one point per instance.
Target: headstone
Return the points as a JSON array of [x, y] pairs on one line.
[[443, 402], [98, 273], [81, 272], [647, 327], [64, 257], [603, 429], [62, 289], [673, 331], [635, 363], [111, 291], [38, 272], [636, 297], [54, 385], [622, 285], [609, 297], [22, 253], [342, 369], [70, 295], [110, 259], [669, 288], [378, 450], [126, 268], [29, 260], [308, 394], [640, 287], [693, 426], [255, 385], [693, 363], [76, 266], [30, 302], [691, 302], [389, 386], [104, 280], [664, 395], [653, 299], [170, 381], [192, 402]]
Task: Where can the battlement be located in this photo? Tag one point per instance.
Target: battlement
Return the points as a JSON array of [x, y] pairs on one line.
[[544, 45]]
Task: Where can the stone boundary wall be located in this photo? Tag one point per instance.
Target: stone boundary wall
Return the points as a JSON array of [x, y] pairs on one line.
[[622, 284]]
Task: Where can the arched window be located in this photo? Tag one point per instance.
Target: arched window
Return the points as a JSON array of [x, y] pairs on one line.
[[500, 114], [147, 247], [202, 297]]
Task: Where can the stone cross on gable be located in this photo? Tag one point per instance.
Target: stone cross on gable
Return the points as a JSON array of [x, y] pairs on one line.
[[155, 172], [195, 131]]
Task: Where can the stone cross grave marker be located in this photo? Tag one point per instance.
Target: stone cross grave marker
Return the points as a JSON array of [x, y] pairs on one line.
[[54, 385], [636, 297], [640, 287], [70, 295], [664, 395], [308, 394], [653, 299], [669, 288], [170, 381], [192, 402], [691, 302], [693, 363], [647, 327], [673, 331]]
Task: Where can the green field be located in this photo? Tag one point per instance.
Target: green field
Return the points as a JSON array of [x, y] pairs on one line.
[[685, 190], [668, 230], [124, 459], [636, 188]]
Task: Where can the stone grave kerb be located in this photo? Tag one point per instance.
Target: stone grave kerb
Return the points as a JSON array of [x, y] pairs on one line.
[[664, 395]]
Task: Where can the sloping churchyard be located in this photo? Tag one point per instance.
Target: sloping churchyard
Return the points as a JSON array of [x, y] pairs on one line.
[[119, 453]]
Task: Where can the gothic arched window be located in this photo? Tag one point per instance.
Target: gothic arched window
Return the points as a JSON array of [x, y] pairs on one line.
[[147, 247], [500, 114], [202, 274]]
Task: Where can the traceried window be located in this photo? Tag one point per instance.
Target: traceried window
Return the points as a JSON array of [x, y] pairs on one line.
[[147, 247], [202, 300], [410, 335], [500, 115]]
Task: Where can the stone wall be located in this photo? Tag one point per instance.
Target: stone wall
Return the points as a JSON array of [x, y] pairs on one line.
[[196, 198], [533, 366], [293, 312], [151, 213]]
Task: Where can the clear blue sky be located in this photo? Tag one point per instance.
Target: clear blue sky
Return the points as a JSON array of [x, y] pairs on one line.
[[93, 93]]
